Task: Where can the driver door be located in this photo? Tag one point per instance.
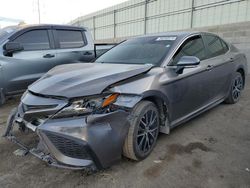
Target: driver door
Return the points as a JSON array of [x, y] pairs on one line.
[[26, 66], [189, 91]]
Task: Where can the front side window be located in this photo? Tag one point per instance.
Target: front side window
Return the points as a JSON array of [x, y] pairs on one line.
[[34, 40], [145, 50], [214, 45], [191, 47], [70, 39]]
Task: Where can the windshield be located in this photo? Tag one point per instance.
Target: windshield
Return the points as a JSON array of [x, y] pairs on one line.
[[145, 50], [5, 32]]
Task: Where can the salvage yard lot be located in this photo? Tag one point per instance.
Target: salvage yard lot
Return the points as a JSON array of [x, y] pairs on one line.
[[212, 150]]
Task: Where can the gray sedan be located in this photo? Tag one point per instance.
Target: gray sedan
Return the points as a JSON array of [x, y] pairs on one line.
[[89, 115]]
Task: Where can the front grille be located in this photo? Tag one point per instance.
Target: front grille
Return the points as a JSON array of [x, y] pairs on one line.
[[67, 146], [36, 107]]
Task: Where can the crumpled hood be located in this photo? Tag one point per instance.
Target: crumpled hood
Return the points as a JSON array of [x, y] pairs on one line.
[[83, 79]]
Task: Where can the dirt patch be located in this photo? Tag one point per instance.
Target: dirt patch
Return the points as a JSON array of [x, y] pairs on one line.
[[173, 150], [196, 163]]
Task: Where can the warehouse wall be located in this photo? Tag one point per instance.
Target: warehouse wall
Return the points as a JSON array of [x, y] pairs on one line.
[[137, 17]]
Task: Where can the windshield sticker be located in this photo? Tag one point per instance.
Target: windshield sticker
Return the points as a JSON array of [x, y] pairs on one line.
[[165, 38]]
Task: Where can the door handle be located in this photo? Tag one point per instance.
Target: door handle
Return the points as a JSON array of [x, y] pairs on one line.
[[49, 56], [231, 59], [87, 53], [209, 67]]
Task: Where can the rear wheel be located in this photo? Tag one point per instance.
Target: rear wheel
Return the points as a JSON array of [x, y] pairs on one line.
[[143, 131], [236, 88]]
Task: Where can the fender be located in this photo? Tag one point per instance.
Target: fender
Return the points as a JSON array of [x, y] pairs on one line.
[[165, 109]]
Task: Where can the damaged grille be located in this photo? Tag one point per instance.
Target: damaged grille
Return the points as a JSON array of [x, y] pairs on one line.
[[67, 146], [36, 107]]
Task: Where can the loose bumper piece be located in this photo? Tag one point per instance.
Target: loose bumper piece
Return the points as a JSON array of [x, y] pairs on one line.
[[92, 142]]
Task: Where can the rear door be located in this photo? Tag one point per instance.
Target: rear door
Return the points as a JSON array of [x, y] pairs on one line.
[[220, 66], [24, 67], [72, 46]]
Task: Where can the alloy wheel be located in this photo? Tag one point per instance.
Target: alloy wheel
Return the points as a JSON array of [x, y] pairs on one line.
[[147, 131], [237, 87]]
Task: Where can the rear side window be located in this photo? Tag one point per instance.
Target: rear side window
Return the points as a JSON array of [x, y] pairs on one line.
[[214, 45], [34, 40], [191, 47], [225, 46], [70, 39]]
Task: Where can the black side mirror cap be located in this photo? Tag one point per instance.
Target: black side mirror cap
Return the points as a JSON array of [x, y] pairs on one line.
[[11, 47], [186, 62]]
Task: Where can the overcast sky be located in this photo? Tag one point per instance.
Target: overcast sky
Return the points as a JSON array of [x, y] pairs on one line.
[[52, 11]]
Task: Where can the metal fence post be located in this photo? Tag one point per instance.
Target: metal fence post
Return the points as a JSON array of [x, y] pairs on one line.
[[192, 14], [94, 27], [145, 17], [114, 24]]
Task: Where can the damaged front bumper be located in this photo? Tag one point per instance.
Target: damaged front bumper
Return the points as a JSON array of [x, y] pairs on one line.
[[93, 141]]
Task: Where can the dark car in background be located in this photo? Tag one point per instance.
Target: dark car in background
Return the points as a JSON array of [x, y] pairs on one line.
[[88, 115], [27, 52]]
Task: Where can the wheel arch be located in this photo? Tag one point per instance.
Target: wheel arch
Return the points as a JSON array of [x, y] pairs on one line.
[[242, 72], [162, 103]]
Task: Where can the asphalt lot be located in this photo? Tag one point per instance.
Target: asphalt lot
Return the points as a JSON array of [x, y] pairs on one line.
[[212, 150]]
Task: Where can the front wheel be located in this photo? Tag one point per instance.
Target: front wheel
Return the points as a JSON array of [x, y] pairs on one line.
[[143, 131], [236, 88]]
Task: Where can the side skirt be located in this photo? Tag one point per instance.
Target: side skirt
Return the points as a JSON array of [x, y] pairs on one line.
[[195, 113]]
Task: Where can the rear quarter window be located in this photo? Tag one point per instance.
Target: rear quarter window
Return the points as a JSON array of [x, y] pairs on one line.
[[225, 45], [214, 45]]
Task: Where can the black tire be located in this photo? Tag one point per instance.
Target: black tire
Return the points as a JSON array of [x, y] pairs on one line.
[[236, 88], [142, 134]]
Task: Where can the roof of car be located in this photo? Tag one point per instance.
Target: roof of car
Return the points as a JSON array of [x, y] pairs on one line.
[[20, 29], [28, 26], [179, 34]]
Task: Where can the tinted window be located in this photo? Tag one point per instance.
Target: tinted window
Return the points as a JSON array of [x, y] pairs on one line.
[[145, 50], [34, 40], [214, 45], [70, 39], [191, 47], [225, 46]]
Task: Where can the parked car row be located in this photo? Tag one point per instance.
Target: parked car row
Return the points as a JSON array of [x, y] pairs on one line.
[[87, 115], [28, 52]]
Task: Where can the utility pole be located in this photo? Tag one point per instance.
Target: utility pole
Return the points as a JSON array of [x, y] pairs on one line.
[[38, 9]]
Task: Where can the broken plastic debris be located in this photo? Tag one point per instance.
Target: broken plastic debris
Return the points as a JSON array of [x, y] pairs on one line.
[[157, 161], [20, 152]]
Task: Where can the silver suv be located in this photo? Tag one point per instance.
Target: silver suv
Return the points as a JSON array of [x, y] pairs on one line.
[[27, 52]]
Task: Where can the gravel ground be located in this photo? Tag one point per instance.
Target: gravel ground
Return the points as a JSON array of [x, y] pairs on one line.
[[212, 150]]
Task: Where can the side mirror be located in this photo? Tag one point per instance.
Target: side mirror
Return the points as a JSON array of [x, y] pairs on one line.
[[11, 47], [186, 62]]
